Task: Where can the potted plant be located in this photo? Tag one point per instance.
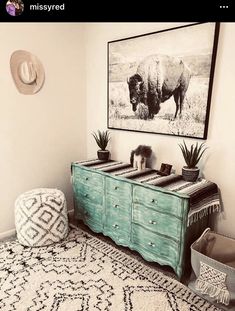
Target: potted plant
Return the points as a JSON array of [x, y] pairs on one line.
[[102, 138], [192, 156]]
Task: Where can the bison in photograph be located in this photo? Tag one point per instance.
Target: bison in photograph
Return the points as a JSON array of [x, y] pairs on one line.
[[158, 77]]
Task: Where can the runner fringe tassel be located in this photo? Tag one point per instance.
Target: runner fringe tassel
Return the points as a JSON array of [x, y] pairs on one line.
[[221, 294], [204, 212]]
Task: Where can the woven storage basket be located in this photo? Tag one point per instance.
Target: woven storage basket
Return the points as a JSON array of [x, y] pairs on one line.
[[213, 264]]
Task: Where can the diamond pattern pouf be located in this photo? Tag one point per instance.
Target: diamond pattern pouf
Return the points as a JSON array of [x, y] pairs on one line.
[[41, 217]]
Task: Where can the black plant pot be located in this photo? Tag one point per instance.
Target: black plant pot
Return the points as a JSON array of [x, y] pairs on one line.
[[190, 174], [103, 155]]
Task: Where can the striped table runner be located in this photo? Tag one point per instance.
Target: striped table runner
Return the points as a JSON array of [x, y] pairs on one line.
[[203, 195]]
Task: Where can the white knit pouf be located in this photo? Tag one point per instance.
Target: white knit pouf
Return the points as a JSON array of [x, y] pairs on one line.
[[41, 217]]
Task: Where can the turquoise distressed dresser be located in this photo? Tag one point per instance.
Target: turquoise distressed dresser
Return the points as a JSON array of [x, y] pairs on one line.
[[111, 198]]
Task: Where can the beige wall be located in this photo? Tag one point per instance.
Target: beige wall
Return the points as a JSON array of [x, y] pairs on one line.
[[219, 163], [41, 134]]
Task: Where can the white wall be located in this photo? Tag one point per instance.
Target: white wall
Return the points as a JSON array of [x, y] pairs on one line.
[[41, 134], [219, 163]]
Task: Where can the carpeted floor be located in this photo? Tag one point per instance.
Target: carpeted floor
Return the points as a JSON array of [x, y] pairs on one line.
[[82, 273]]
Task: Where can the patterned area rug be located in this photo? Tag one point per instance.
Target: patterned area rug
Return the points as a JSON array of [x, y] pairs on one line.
[[84, 273]]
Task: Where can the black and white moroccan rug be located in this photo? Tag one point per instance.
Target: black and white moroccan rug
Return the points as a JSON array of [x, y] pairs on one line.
[[84, 273]]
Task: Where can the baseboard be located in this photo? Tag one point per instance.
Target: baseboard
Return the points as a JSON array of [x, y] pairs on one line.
[[7, 234], [71, 216], [70, 212]]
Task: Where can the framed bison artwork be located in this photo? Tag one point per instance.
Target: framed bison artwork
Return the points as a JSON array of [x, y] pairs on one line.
[[161, 82]]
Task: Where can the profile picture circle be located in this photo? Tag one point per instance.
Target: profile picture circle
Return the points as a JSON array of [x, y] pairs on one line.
[[14, 7]]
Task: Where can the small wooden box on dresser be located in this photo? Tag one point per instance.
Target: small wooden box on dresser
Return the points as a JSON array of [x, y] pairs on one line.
[[145, 218]]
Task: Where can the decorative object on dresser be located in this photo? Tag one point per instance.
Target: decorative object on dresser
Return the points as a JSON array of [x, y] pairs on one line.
[[213, 263], [102, 138], [41, 217], [149, 213], [139, 156], [82, 273], [165, 169], [191, 156]]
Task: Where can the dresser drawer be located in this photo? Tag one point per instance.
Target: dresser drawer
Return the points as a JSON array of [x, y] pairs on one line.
[[86, 210], [157, 200], [161, 223], [93, 218], [119, 189], [85, 177], [118, 229], [118, 206], [154, 247], [86, 195]]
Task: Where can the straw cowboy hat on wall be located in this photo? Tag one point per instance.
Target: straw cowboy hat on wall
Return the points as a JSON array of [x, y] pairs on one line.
[[27, 72]]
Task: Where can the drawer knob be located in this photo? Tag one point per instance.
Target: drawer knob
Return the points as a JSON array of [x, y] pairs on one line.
[[87, 178], [86, 195], [152, 222], [151, 244], [116, 226], [116, 205], [116, 188]]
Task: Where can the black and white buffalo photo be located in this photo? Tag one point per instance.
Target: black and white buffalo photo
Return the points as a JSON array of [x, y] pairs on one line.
[[161, 82]]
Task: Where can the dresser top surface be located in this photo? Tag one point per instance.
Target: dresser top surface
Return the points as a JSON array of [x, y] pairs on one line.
[[173, 182]]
